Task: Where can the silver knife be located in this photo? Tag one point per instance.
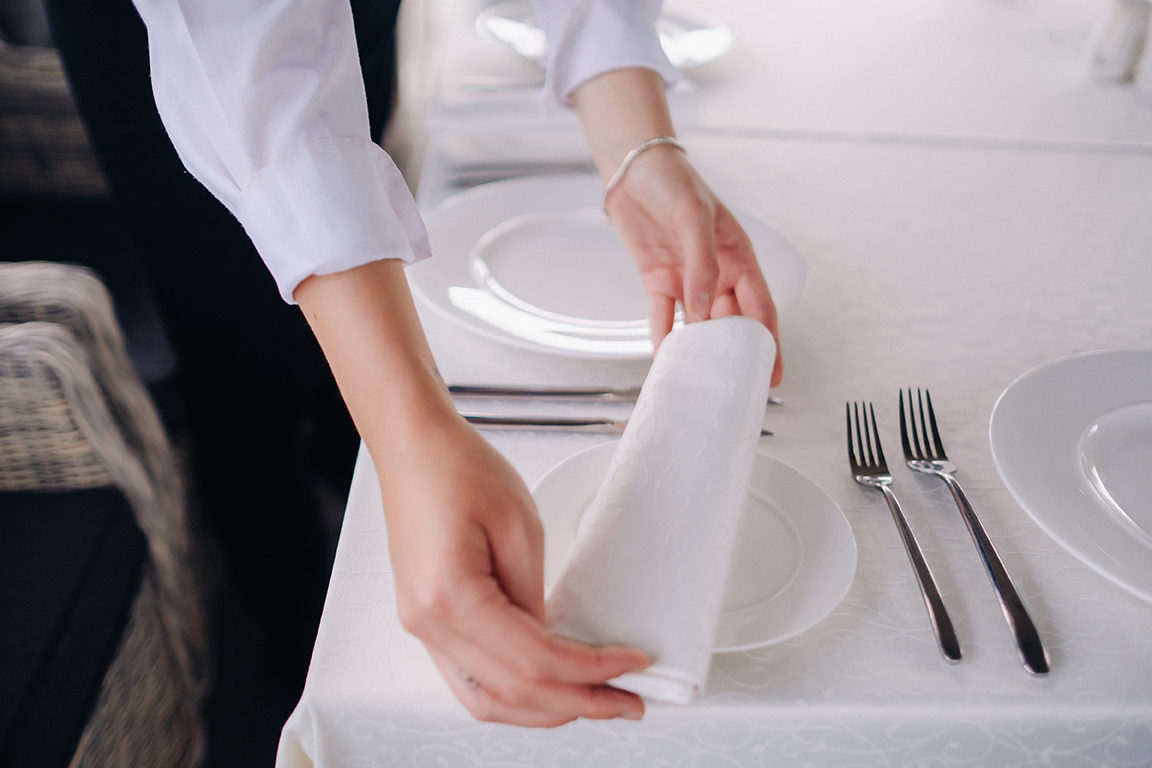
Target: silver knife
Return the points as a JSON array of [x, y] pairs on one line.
[[584, 394], [550, 424]]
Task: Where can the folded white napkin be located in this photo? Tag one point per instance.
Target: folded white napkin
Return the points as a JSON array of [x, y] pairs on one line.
[[650, 560]]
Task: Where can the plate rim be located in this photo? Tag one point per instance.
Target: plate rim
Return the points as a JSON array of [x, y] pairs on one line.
[[458, 318], [1090, 553], [795, 476], [674, 11]]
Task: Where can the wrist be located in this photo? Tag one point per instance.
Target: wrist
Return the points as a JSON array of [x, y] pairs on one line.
[[618, 110], [633, 154]]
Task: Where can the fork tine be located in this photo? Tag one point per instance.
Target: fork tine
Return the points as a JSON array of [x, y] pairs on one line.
[[860, 436], [921, 452], [851, 455], [876, 432], [904, 430], [935, 431], [868, 436], [924, 428]]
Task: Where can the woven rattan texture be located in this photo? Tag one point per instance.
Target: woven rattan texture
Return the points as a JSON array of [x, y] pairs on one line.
[[43, 147], [74, 414], [141, 718], [41, 446]]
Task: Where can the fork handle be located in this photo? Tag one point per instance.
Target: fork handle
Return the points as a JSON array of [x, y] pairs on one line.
[[941, 624], [1028, 643]]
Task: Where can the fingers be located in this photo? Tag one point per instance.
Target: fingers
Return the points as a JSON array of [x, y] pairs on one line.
[[468, 617], [485, 703], [470, 620], [749, 291], [756, 302], [515, 641], [527, 675], [701, 270], [661, 314], [725, 305]]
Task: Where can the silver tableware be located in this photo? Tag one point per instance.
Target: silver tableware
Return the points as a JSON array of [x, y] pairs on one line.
[[929, 457], [578, 394], [551, 424], [870, 469], [544, 423]]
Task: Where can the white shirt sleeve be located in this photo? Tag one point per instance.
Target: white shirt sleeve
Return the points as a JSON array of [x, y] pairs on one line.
[[264, 101], [589, 37]]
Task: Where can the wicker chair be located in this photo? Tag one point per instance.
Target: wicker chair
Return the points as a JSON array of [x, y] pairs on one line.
[[73, 415], [43, 147]]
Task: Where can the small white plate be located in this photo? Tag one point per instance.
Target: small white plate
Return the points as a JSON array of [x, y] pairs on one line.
[[688, 38], [532, 263], [1072, 441], [795, 553]]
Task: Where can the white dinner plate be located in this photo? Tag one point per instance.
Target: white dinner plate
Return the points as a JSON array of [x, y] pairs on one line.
[[1072, 441], [687, 37], [532, 262], [795, 553]]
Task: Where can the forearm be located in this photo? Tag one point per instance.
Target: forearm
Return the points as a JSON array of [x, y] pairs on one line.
[[366, 323]]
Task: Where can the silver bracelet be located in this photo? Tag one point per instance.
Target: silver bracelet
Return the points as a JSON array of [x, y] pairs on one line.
[[627, 161]]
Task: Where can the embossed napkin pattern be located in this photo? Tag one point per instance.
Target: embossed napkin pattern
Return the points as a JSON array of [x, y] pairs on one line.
[[651, 556]]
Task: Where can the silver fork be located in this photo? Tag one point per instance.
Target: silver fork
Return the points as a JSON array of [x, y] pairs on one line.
[[870, 469], [929, 457]]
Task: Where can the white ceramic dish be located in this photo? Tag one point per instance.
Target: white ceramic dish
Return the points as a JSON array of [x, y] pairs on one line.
[[688, 38], [1072, 441], [532, 262], [795, 553]]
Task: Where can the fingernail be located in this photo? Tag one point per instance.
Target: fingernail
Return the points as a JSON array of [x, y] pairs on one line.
[[633, 715]]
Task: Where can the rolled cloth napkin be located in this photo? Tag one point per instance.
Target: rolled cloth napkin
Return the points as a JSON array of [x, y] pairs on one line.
[[651, 555]]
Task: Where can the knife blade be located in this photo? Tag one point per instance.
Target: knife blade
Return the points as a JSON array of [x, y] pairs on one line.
[[581, 394], [551, 424]]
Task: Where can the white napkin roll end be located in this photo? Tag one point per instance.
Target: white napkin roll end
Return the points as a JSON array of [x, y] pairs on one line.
[[659, 684]]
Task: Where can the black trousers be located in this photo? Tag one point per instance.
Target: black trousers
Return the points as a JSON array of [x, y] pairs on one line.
[[250, 372]]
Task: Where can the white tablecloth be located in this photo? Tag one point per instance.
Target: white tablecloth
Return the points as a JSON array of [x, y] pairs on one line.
[[948, 266]]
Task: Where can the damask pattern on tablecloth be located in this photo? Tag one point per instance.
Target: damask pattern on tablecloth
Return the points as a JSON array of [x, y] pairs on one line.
[[740, 740]]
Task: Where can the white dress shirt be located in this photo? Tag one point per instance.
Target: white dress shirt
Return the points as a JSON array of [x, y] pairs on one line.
[[265, 104]]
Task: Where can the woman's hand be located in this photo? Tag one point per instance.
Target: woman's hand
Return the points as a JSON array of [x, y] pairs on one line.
[[466, 543], [687, 245], [468, 553]]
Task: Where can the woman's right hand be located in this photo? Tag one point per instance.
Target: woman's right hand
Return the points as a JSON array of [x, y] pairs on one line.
[[466, 542]]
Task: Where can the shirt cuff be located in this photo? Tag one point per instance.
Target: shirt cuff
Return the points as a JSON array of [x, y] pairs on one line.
[[600, 36], [330, 205]]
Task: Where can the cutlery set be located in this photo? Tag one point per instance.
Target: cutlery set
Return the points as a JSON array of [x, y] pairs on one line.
[[924, 452]]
